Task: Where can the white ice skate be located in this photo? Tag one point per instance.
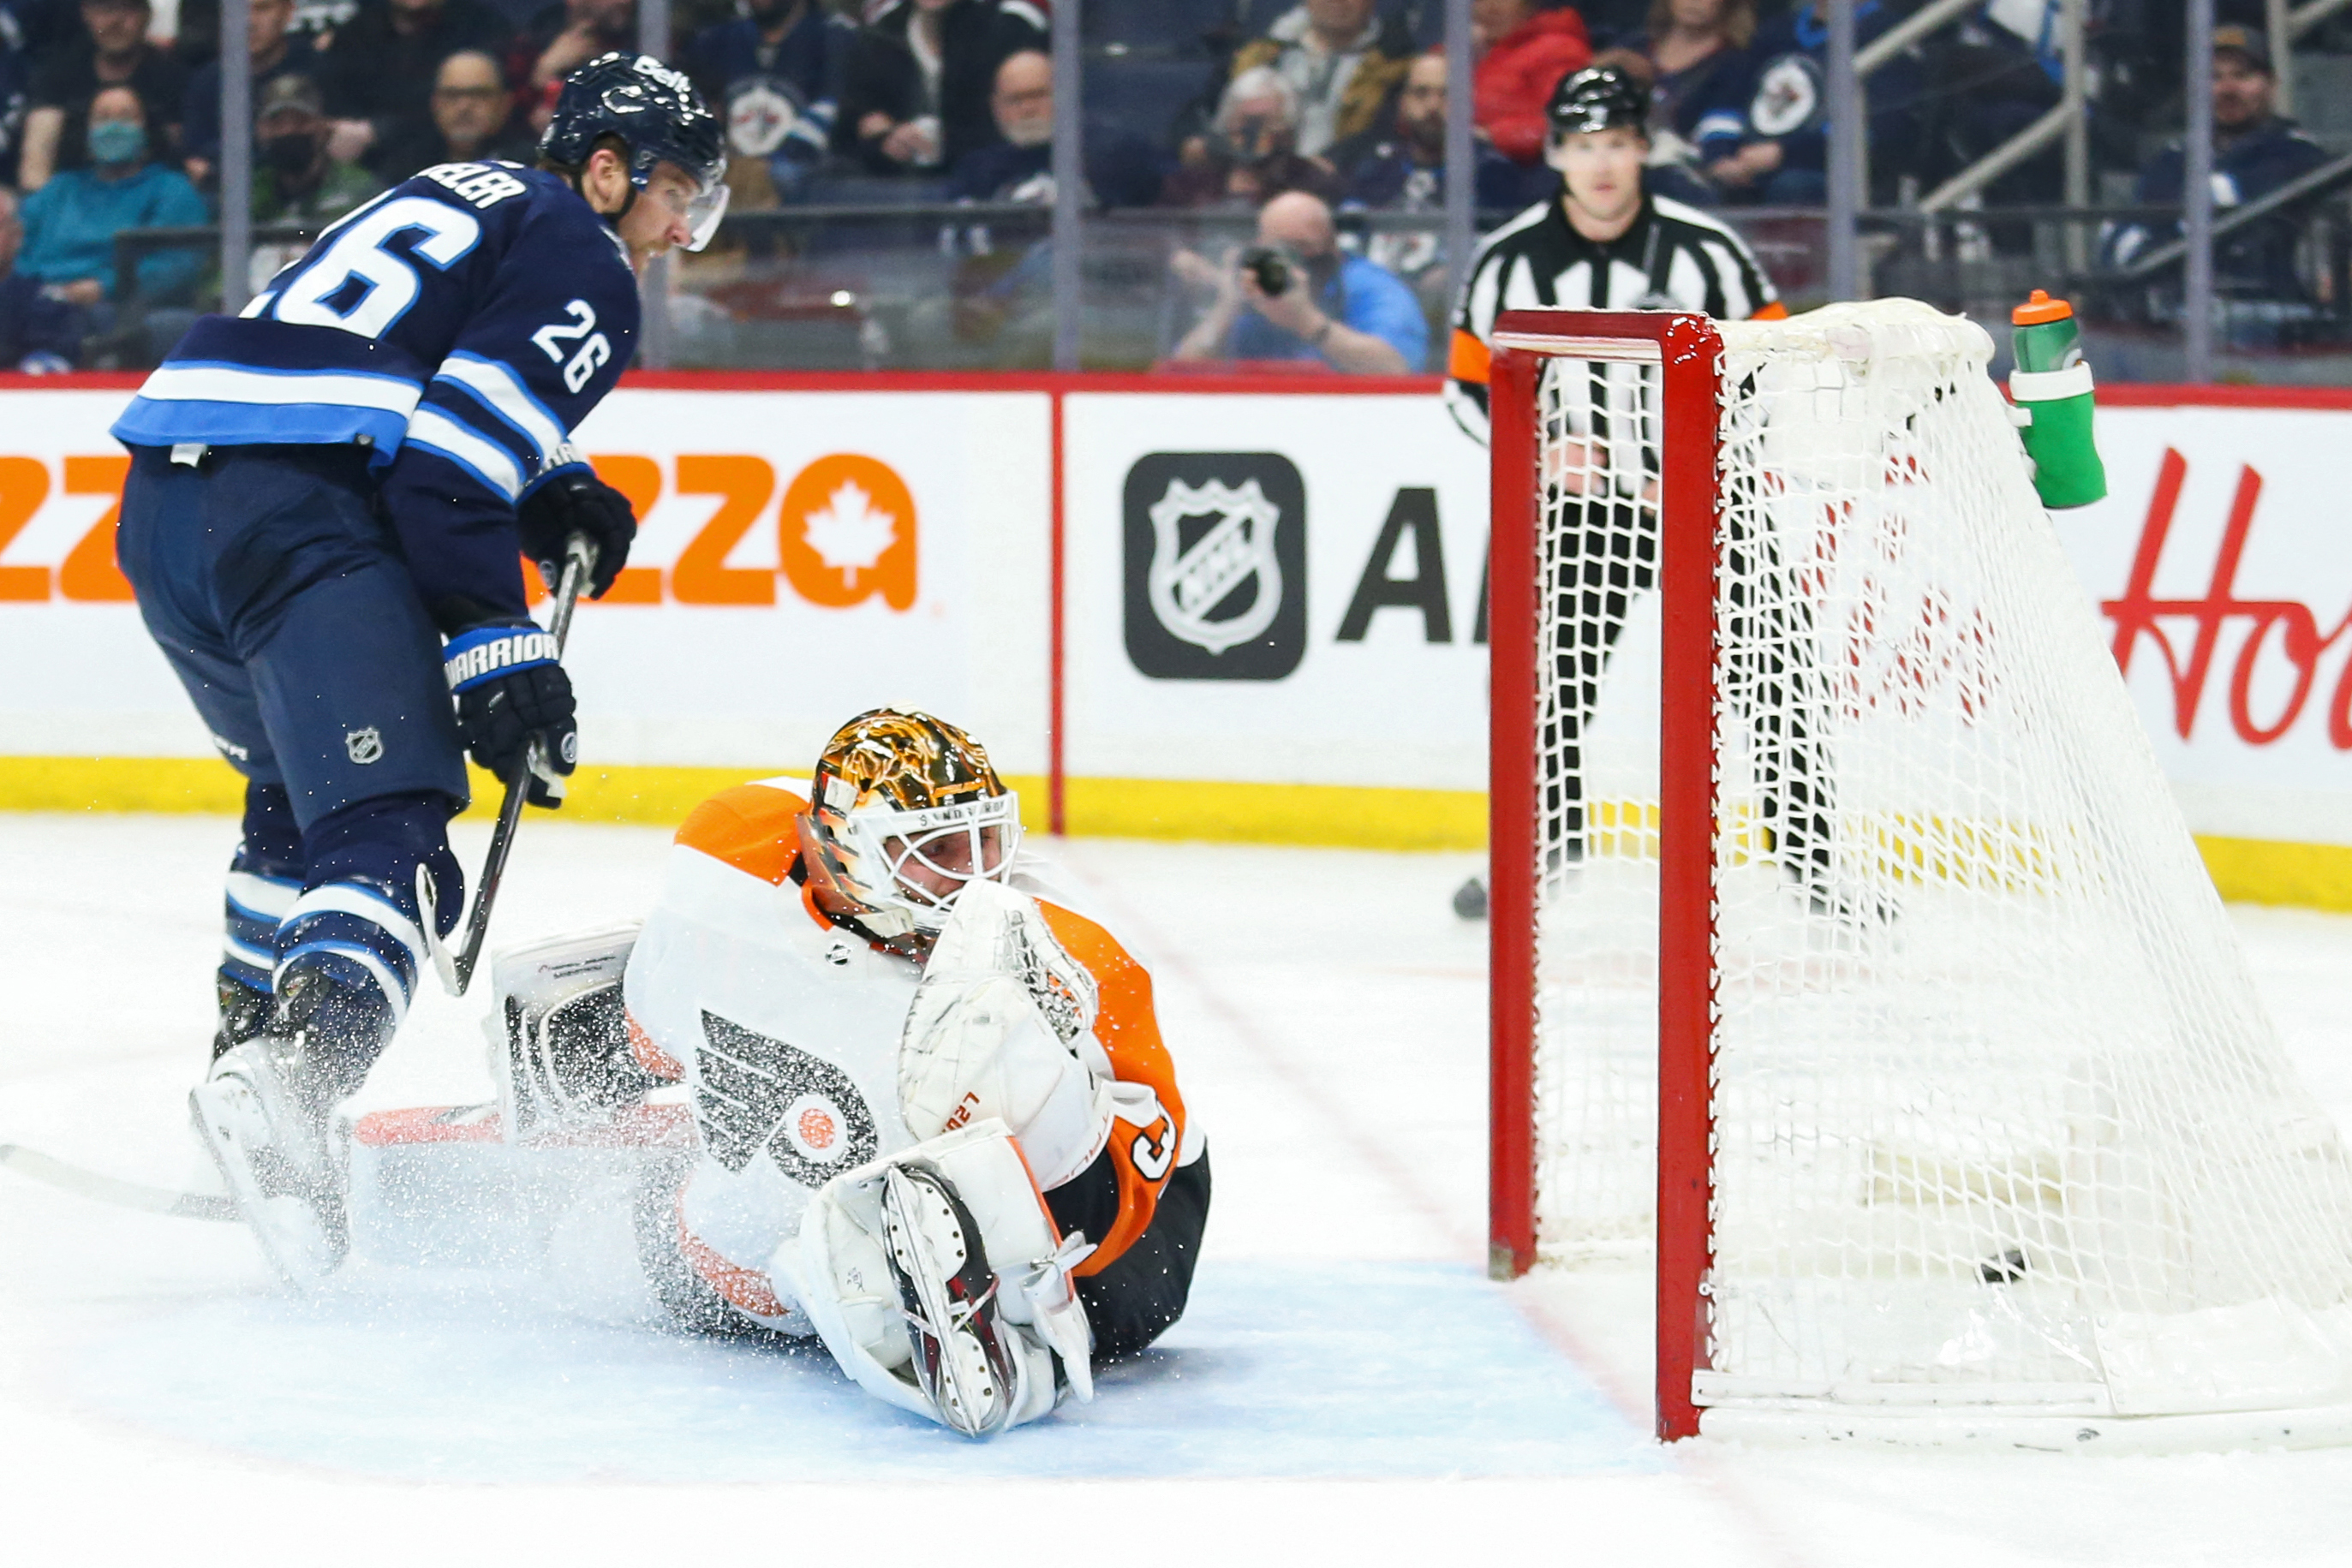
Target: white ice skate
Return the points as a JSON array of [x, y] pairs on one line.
[[273, 1155]]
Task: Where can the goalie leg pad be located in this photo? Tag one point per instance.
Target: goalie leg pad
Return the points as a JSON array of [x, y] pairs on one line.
[[936, 1280], [978, 1046]]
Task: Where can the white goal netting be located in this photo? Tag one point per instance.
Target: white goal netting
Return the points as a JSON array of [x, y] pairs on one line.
[[2000, 1120]]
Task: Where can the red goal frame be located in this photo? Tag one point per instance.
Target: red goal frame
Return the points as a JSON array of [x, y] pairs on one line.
[[1689, 351]]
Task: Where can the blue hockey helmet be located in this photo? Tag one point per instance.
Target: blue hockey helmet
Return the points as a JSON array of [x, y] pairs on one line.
[[656, 113]]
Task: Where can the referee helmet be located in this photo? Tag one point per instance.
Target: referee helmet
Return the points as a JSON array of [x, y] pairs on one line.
[[1598, 97]]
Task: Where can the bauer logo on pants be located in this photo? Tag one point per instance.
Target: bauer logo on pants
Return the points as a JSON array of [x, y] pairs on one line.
[[1216, 566]]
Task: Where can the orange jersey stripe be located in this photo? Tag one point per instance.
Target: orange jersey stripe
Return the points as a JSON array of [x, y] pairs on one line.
[[1467, 360], [1775, 312], [1129, 1029], [750, 827]]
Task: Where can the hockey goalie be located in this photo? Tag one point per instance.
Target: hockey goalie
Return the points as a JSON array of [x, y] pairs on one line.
[[933, 1122]]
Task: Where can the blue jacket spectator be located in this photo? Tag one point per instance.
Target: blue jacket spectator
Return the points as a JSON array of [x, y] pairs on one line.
[[1122, 169], [37, 333], [1701, 77], [274, 54], [111, 50], [2255, 151], [1401, 169], [915, 91], [774, 76], [1778, 151], [70, 223], [1335, 309]]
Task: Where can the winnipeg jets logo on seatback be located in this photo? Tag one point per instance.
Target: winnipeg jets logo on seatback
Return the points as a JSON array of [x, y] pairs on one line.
[[1189, 583]]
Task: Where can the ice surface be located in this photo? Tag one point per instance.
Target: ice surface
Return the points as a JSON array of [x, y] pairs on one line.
[[1346, 1385]]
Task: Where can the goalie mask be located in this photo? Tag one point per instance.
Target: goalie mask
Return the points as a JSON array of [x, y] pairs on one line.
[[906, 811]]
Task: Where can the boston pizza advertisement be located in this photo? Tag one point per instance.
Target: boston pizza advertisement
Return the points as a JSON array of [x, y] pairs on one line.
[[802, 554]]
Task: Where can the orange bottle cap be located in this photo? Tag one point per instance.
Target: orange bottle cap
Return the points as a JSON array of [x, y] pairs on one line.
[[2040, 308]]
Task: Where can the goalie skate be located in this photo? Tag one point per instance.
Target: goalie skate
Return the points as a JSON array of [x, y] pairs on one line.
[[962, 1363], [272, 1154]]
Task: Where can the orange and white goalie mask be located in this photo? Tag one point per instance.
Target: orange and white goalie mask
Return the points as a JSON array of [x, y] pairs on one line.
[[906, 812]]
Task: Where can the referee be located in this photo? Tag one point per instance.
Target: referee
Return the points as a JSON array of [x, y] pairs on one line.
[[1608, 243]]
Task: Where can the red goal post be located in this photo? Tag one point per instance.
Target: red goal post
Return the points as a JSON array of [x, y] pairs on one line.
[[1688, 352]]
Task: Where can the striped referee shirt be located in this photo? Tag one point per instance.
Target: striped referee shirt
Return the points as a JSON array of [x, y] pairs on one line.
[[1674, 256]]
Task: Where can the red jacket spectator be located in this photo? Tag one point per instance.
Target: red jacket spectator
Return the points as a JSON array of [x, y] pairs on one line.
[[1516, 74]]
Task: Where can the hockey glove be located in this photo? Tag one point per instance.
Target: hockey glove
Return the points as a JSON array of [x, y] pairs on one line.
[[574, 501], [510, 691]]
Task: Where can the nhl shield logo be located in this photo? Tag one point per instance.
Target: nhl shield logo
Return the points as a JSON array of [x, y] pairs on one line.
[[1186, 584], [365, 746], [1216, 566]]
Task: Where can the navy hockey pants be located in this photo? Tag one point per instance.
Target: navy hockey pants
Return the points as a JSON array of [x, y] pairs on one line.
[[284, 607]]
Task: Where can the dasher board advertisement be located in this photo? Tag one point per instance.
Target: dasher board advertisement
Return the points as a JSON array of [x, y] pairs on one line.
[[2222, 566], [800, 556]]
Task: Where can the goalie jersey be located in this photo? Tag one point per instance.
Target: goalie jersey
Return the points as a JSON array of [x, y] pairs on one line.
[[784, 1026], [461, 325]]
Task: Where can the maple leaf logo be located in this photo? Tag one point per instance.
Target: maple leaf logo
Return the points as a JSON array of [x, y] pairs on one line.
[[849, 532]]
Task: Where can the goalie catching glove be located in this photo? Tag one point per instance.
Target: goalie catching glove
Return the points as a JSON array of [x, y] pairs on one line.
[[1001, 1027], [510, 691], [938, 1281]]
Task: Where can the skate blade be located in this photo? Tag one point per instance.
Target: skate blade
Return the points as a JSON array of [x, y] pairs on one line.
[[293, 1239]]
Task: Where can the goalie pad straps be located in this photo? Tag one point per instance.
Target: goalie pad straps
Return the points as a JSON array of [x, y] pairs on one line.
[[938, 1282]]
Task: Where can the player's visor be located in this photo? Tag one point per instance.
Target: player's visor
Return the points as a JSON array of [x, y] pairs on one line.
[[704, 211]]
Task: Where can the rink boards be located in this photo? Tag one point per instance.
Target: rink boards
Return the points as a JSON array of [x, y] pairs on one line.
[[1180, 607]]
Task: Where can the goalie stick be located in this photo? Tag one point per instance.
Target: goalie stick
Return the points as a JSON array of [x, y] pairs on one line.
[[68, 1177]]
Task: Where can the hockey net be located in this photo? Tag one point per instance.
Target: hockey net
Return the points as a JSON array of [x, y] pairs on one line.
[[1869, 974]]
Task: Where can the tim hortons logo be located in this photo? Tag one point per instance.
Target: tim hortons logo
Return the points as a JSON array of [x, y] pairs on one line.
[[2285, 623]]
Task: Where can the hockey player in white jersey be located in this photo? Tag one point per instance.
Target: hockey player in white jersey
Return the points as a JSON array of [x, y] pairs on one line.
[[933, 1121]]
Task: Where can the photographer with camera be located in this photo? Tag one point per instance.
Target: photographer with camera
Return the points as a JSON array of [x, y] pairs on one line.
[[1293, 294]]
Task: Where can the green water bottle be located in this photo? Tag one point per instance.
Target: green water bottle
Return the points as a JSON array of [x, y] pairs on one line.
[[2051, 387]]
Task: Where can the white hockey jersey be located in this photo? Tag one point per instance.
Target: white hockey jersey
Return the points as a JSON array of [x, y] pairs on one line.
[[785, 1029]]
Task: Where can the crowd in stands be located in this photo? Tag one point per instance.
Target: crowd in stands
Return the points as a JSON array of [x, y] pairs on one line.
[[1286, 112]]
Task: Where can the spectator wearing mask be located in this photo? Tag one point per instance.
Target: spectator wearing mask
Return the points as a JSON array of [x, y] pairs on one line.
[[569, 34], [1341, 60], [916, 88], [2256, 150], [1325, 306], [295, 179], [39, 333], [774, 76], [473, 119], [114, 52], [1250, 154], [71, 221], [379, 72], [1122, 169], [274, 54], [1524, 50]]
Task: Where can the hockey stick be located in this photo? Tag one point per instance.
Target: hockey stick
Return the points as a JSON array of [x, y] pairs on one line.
[[89, 1184], [457, 969]]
